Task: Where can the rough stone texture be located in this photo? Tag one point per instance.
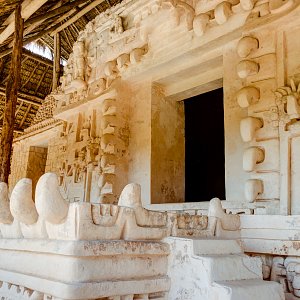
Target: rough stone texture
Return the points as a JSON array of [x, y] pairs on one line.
[[217, 270], [118, 102]]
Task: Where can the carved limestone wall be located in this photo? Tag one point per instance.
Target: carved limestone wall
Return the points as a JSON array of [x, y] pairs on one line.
[[254, 133], [262, 116], [143, 55], [53, 249], [89, 153], [59, 250]]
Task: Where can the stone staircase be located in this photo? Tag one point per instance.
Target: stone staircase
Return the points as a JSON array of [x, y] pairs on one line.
[[217, 269]]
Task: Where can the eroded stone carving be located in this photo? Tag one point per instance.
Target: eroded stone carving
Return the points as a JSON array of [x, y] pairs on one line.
[[252, 156], [223, 12], [248, 127], [21, 204], [81, 221], [200, 23], [49, 203], [216, 223], [288, 101], [253, 188], [247, 68], [285, 270], [10, 291], [247, 96], [246, 46]]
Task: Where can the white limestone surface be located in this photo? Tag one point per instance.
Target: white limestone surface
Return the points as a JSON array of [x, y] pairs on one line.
[[216, 270]]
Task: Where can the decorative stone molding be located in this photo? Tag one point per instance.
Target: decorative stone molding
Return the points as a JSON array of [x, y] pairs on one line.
[[119, 39], [285, 270], [247, 68], [11, 291], [247, 96], [216, 223], [52, 217], [261, 124], [45, 111], [73, 234], [248, 128], [253, 188], [93, 144], [80, 250], [252, 156], [246, 46], [287, 98]]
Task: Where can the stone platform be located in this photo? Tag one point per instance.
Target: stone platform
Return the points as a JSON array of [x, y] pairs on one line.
[[85, 269]]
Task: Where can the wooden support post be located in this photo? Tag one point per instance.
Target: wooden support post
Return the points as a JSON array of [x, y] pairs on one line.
[[12, 86], [56, 61]]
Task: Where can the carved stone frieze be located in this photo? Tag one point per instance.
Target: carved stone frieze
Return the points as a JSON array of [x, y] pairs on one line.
[[285, 270], [287, 99], [123, 36]]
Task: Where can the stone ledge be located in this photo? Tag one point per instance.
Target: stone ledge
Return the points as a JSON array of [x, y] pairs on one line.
[[86, 248], [88, 290]]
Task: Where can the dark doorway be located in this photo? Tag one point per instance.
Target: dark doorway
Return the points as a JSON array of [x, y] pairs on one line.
[[204, 147]]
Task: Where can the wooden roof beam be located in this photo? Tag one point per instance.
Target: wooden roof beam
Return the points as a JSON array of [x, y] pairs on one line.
[[22, 97], [41, 79], [35, 57], [25, 116], [31, 74], [15, 130], [29, 7], [31, 27], [81, 13], [55, 12], [31, 39], [17, 111]]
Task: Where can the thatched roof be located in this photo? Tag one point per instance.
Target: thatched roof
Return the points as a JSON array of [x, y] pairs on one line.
[[36, 71], [36, 82]]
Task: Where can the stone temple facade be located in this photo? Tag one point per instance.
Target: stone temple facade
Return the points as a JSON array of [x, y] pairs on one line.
[[95, 204]]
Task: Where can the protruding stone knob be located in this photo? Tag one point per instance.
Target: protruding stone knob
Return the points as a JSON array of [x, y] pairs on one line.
[[293, 107], [247, 96], [123, 60], [215, 208], [223, 12], [136, 55], [246, 46], [5, 214], [49, 203], [247, 4], [247, 68], [131, 196], [253, 188], [252, 156], [199, 24], [248, 127], [21, 204], [110, 68]]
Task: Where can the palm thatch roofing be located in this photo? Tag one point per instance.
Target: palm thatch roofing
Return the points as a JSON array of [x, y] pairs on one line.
[[36, 71]]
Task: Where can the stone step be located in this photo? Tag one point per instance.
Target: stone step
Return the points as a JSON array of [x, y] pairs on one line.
[[231, 267], [216, 246], [247, 290]]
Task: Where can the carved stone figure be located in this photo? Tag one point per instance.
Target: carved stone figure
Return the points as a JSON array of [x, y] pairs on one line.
[[117, 26], [79, 60], [80, 166]]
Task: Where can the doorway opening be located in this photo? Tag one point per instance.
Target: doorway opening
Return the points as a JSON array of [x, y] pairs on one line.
[[204, 147]]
